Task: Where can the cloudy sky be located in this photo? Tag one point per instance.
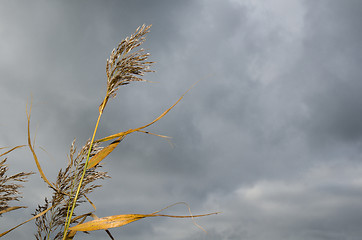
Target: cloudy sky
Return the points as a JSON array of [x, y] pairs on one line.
[[271, 136]]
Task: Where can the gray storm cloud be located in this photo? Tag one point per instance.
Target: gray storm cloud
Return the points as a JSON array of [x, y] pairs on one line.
[[270, 136]]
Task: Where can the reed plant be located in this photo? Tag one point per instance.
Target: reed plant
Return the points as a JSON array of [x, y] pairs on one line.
[[56, 217]]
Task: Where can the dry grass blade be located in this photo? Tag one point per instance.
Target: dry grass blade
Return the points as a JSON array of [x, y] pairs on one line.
[[28, 113], [20, 146], [121, 220], [9, 209], [108, 222], [107, 150], [36, 216], [103, 153], [123, 134]]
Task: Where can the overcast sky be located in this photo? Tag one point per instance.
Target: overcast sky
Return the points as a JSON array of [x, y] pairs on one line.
[[271, 136]]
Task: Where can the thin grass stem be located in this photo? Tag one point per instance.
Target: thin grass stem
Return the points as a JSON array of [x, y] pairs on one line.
[[69, 218]]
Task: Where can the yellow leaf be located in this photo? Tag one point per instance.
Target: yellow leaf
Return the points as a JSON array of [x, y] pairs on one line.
[[109, 222], [121, 220], [103, 153], [35, 217], [28, 114], [11, 150], [123, 134], [11, 209], [34, 155]]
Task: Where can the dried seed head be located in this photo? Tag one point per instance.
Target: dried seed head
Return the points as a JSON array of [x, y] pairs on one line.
[[124, 65], [52, 223], [9, 189]]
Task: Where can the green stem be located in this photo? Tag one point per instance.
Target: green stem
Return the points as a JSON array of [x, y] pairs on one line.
[[69, 218]]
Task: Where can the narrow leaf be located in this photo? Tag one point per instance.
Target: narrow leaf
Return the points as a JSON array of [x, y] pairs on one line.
[[121, 220], [33, 152], [11, 209], [36, 216], [103, 153], [108, 222], [11, 150], [123, 134]]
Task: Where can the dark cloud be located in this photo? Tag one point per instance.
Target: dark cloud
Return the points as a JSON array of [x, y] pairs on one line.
[[332, 52], [270, 136]]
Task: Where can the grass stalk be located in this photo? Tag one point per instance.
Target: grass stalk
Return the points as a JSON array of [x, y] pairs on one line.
[[69, 217]]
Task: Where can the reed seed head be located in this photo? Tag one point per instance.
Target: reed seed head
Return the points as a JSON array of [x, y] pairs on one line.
[[125, 65], [9, 188]]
